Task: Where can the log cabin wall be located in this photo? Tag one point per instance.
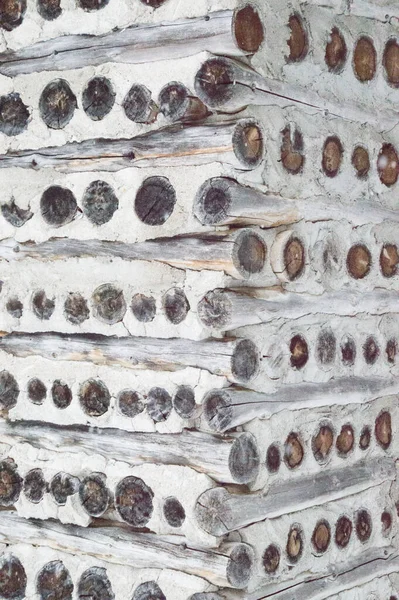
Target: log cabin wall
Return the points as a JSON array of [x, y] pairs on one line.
[[198, 300]]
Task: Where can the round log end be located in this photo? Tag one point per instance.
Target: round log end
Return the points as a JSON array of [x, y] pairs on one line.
[[143, 308], [149, 590], [35, 485], [383, 430], [244, 459], [332, 156], [295, 543], [175, 305], [54, 581], [61, 394], [139, 106], [9, 390], [109, 304], [12, 13], [130, 403], [98, 98], [248, 29], [13, 578], [336, 51], [326, 347], [184, 402], [391, 62], [273, 458], [218, 411], [10, 483], [358, 261], [215, 310], [58, 206], [212, 511], [240, 566], [322, 443], [363, 525], [14, 307], [213, 82], [57, 104], [99, 202], [245, 361], [94, 397], [391, 351], [155, 201], [14, 115], [62, 486], [388, 165], [94, 495], [49, 10], [76, 309], [271, 559], [248, 143], [213, 200], [37, 391], [361, 161], [364, 59], [92, 5], [133, 501], [389, 260], [386, 522], [298, 41], [299, 352], [249, 253], [176, 103], [174, 512], [371, 350], [345, 440], [365, 438], [321, 537], [94, 584], [293, 451], [294, 258], [159, 404]]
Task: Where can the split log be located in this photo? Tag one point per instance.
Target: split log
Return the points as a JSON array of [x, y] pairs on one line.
[[229, 566], [220, 512], [228, 309], [231, 459], [220, 31], [227, 408], [238, 143], [238, 360]]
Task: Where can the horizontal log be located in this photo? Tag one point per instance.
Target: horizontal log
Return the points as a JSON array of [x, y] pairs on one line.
[[238, 143], [228, 460], [228, 309], [224, 409], [236, 359], [220, 512], [230, 566]]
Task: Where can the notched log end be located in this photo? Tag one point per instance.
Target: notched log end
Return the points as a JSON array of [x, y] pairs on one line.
[[14, 114], [245, 362], [240, 566], [14, 215], [176, 103], [244, 459], [215, 309], [292, 156], [248, 29], [213, 200], [139, 106]]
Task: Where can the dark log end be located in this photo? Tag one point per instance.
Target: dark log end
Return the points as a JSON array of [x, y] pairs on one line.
[[249, 253], [61, 394], [37, 391], [14, 115], [345, 440], [184, 402], [321, 537], [13, 578], [245, 361], [294, 258], [174, 513], [109, 304], [133, 501], [15, 307], [94, 397], [213, 82], [213, 200], [299, 352], [298, 41], [143, 307], [205, 596], [383, 429], [9, 390], [149, 590], [336, 51], [159, 404], [95, 585], [271, 559], [58, 206], [332, 156], [292, 156], [215, 309], [386, 522], [35, 485], [94, 495], [240, 566], [175, 305], [139, 106], [371, 350], [62, 486], [14, 215], [57, 104], [361, 162], [364, 59], [176, 103], [248, 29], [348, 351], [244, 459], [295, 543], [49, 9], [365, 438], [391, 351], [273, 458], [130, 403], [54, 582], [12, 13], [389, 260], [155, 201], [76, 310], [363, 525], [293, 451], [248, 143], [391, 62], [358, 261], [326, 347], [92, 5], [387, 165], [99, 202], [322, 443], [10, 483], [218, 411], [42, 306], [98, 98], [153, 3]]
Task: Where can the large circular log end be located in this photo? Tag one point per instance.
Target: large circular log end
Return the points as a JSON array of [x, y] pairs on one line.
[[49, 9], [213, 82], [94, 495], [244, 459], [248, 143], [139, 106], [57, 104], [249, 254], [213, 200], [391, 62], [240, 566], [155, 201], [149, 590], [217, 409], [14, 115], [13, 578], [12, 13], [245, 361], [94, 584], [215, 310], [54, 581], [10, 483], [248, 29], [212, 511], [98, 98], [133, 501], [364, 59]]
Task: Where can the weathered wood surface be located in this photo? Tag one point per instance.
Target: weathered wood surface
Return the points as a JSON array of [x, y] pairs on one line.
[[227, 408], [221, 512], [229, 566]]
